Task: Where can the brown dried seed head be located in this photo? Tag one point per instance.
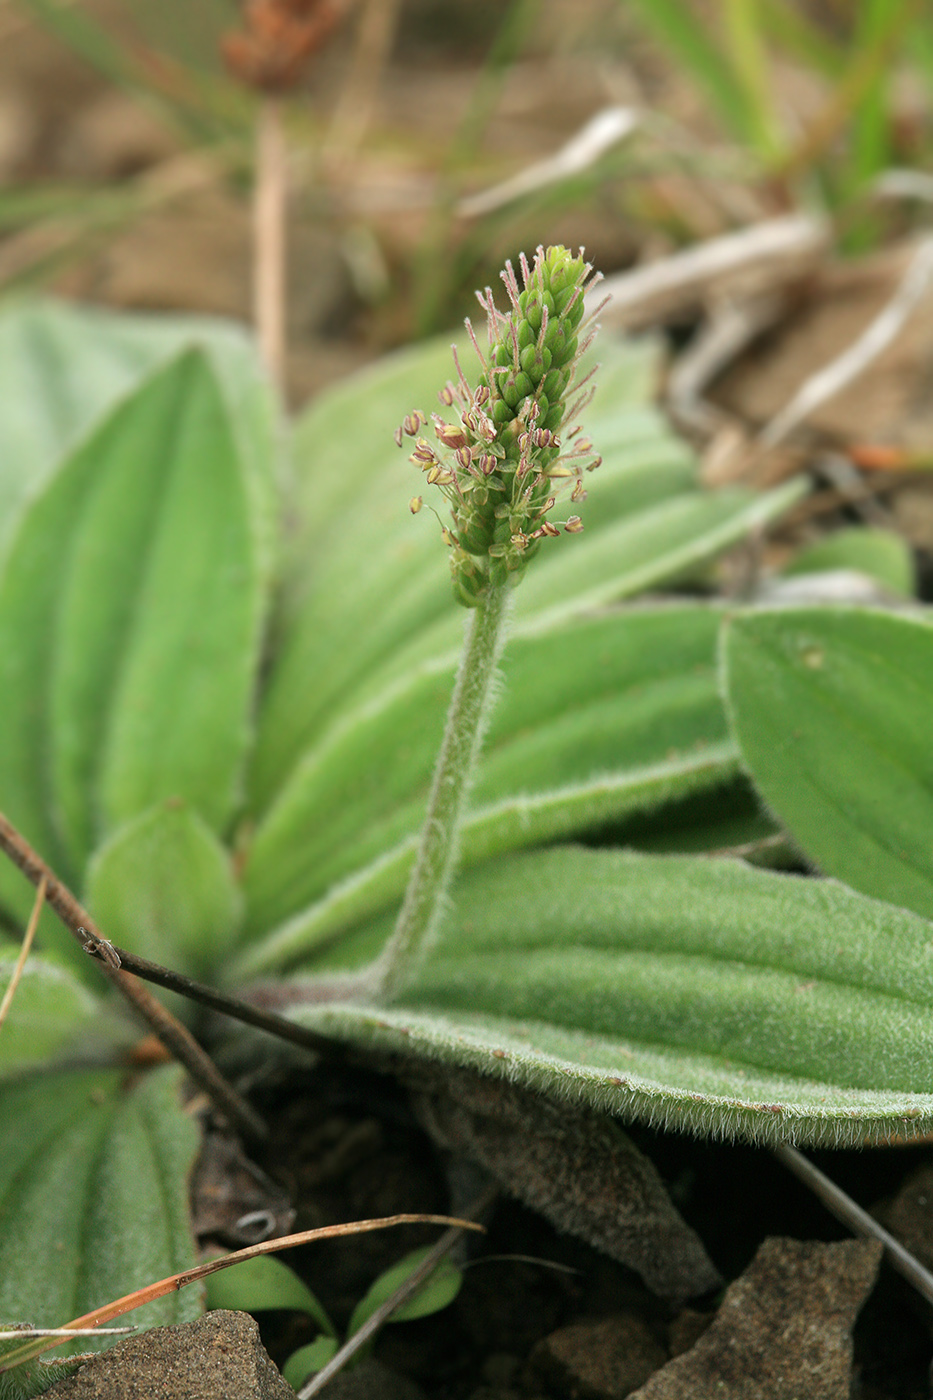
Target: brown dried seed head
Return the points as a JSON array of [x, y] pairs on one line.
[[278, 40]]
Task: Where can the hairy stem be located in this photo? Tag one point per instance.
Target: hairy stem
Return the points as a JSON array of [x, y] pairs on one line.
[[437, 852]]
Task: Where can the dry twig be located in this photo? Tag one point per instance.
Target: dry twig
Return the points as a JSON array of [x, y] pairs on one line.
[[177, 1039], [763, 257], [860, 356]]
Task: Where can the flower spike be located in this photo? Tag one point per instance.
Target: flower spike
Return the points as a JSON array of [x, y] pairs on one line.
[[501, 462]]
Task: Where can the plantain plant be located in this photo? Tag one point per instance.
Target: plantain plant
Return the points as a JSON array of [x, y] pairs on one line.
[[225, 658]]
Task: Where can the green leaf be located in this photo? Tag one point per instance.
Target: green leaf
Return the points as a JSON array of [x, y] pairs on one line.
[[831, 708], [699, 994], [598, 718], [64, 367], [94, 1196], [163, 886], [438, 1291], [130, 612], [265, 1282], [308, 1359], [50, 1014], [881, 554]]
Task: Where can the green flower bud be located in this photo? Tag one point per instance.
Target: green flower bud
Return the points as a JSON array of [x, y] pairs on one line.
[[508, 423]]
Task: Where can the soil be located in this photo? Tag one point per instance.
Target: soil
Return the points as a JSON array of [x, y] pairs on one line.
[[540, 1314]]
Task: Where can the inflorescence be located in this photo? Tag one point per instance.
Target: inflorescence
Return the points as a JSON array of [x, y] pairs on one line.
[[502, 464]]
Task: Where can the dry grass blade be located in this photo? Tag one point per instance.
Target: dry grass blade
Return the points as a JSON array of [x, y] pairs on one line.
[[29, 935], [376, 32], [11, 1335], [607, 129], [174, 1282], [765, 256]]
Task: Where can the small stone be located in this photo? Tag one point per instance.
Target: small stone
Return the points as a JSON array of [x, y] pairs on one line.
[[686, 1330], [219, 1355], [783, 1330], [601, 1359]]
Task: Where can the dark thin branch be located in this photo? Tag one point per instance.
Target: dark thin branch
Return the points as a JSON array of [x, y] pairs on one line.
[[176, 1038], [234, 1007]]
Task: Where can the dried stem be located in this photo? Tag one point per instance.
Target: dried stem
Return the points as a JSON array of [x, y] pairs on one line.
[[842, 1206], [24, 950], [176, 1038], [269, 236]]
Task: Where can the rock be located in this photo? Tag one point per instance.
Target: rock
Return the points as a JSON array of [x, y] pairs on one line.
[[219, 1355], [783, 1330], [601, 1359]]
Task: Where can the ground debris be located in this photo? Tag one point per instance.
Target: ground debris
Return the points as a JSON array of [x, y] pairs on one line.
[[604, 1358], [783, 1330]]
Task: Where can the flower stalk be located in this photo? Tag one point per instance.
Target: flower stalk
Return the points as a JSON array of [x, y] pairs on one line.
[[467, 718], [501, 466], [270, 54]]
